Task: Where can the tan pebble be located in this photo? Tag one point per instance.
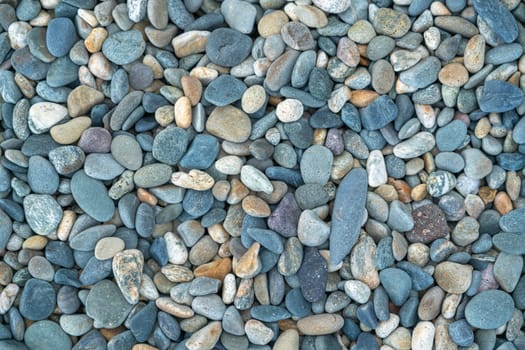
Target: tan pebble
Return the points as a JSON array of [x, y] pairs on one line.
[[71, 131], [311, 16], [482, 128], [217, 269], [166, 304], [35, 243], [474, 205], [341, 165], [453, 277], [220, 190], [99, 65], [439, 9], [204, 74], [110, 333], [289, 110], [195, 179], [41, 20], [229, 165], [279, 190], [319, 136], [503, 203], [192, 88], [453, 74], [402, 88], [426, 115], [419, 192], [423, 336], [399, 246], [261, 66], [450, 305], [66, 224], [95, 39], [338, 98], [400, 339], [256, 207], [107, 247], [474, 56], [487, 194], [387, 192], [287, 340], [183, 112], [146, 197], [249, 265], [88, 16], [253, 99], [161, 37], [418, 254], [229, 123], [513, 185], [238, 191], [362, 262], [320, 324], [190, 43], [156, 67], [205, 338], [176, 273], [430, 304], [165, 115], [442, 339], [25, 85], [272, 23], [218, 234], [362, 98], [143, 347]]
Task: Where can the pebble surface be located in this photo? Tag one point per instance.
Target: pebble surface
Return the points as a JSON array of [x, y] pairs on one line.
[[325, 174]]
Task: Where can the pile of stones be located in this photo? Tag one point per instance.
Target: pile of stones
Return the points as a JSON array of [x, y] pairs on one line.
[[262, 174]]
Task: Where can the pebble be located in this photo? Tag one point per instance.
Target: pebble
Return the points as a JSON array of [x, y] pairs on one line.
[[227, 47], [453, 277], [43, 214], [344, 227], [498, 18], [489, 309], [124, 47], [60, 36], [391, 23], [509, 96], [92, 196], [38, 300], [46, 335], [320, 324]]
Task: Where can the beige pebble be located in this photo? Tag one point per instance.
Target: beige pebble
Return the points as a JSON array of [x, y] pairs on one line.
[[195, 179], [41, 20], [82, 99], [513, 185], [418, 254], [217, 269], [423, 336], [220, 190], [253, 99], [190, 43], [35, 243], [249, 265], [426, 115], [474, 56], [71, 131], [156, 67], [362, 98], [338, 98], [256, 207], [99, 65], [400, 339], [144, 347], [237, 192], [176, 273], [311, 16], [450, 305], [25, 85], [192, 88], [272, 23], [229, 165], [165, 115], [430, 304], [287, 340], [95, 39], [320, 324], [182, 111], [279, 190], [442, 339], [453, 277], [218, 234], [205, 74], [66, 224], [166, 304], [86, 78], [453, 74], [205, 338], [145, 196], [439, 9], [107, 247]]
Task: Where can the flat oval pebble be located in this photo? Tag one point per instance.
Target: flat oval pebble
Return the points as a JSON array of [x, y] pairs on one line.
[[92, 196], [60, 36], [500, 96], [47, 335], [38, 300], [228, 47], [489, 309]]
